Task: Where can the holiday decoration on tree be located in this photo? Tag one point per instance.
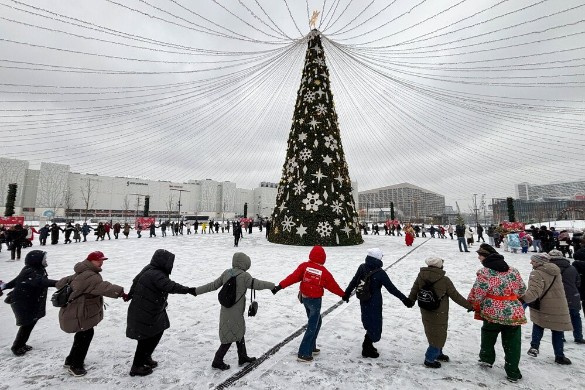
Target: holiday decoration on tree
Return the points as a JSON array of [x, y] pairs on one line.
[[314, 203], [511, 212]]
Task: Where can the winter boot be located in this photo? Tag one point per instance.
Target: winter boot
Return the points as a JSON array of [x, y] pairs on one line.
[[243, 357], [219, 355], [151, 363], [77, 371], [533, 352], [443, 358], [368, 349], [140, 370], [20, 351], [434, 364], [562, 360]]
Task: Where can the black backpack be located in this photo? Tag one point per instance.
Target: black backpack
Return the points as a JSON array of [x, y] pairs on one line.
[[427, 298], [60, 298], [227, 294], [363, 291]]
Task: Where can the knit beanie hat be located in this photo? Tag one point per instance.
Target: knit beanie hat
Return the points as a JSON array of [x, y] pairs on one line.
[[556, 253], [486, 250], [317, 255], [436, 262], [376, 253], [541, 258]]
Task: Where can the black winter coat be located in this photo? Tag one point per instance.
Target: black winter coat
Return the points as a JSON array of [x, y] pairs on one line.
[[147, 315], [579, 264], [372, 309], [30, 292]]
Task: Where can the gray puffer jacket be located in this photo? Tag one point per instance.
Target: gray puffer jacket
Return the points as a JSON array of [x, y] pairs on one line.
[[232, 326]]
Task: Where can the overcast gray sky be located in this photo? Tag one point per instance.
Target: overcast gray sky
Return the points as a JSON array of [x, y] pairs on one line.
[[459, 97]]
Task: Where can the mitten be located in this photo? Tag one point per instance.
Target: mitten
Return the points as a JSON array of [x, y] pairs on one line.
[[193, 291], [125, 297], [408, 303], [276, 289], [346, 297]]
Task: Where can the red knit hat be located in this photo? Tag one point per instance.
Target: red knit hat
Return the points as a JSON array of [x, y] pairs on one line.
[[317, 255], [97, 255]]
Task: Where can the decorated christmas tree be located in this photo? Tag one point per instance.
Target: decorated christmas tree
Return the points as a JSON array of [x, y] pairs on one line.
[[315, 204]]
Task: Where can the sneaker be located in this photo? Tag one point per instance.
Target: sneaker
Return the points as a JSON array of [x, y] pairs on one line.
[[434, 364], [582, 341], [485, 364], [533, 352], [443, 358], [562, 360], [77, 371], [512, 379], [140, 370], [316, 351], [304, 359], [220, 366]]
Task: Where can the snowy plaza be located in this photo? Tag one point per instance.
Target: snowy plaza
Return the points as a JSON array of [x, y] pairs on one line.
[[187, 348]]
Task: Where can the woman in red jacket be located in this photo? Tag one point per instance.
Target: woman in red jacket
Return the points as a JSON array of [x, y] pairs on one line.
[[313, 277]]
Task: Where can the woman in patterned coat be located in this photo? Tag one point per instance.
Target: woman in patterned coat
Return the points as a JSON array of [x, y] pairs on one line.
[[494, 296]]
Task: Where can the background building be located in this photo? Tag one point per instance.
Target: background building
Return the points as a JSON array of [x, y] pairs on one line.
[[411, 203], [567, 190], [55, 191], [530, 211]]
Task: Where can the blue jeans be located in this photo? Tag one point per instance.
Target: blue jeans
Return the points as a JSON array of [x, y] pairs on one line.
[[537, 245], [461, 240], [432, 353], [577, 325], [313, 309], [557, 339]]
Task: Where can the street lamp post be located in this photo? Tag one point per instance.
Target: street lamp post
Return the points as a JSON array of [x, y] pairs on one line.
[[179, 203]]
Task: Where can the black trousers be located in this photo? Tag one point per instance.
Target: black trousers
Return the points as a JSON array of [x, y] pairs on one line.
[[145, 348], [81, 343], [22, 335], [236, 240], [15, 251]]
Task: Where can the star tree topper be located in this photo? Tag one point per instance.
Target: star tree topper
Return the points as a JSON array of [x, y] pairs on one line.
[[313, 20]]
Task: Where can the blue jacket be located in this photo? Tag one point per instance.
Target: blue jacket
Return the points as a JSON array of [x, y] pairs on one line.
[[372, 309]]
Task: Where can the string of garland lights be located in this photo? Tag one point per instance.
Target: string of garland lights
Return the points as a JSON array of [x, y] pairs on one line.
[[421, 92]]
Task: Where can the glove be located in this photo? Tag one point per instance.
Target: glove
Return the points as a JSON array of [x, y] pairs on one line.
[[408, 303], [276, 289], [125, 297], [346, 297], [193, 291], [470, 310]]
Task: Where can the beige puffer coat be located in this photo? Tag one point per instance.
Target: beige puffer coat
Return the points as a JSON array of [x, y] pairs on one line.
[[554, 311], [86, 309]]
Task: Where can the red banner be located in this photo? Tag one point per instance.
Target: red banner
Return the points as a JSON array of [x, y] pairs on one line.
[[11, 221], [394, 222], [513, 225], [144, 222]]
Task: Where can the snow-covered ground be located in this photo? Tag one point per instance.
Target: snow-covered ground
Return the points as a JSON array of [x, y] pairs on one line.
[[187, 348]]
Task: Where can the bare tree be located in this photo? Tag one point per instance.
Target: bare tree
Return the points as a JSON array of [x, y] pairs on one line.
[[67, 201], [53, 181], [169, 204], [88, 191], [126, 206]]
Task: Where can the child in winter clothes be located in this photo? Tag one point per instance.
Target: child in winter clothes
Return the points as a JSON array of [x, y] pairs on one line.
[[232, 326], [495, 299], [313, 277], [372, 308], [436, 321]]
